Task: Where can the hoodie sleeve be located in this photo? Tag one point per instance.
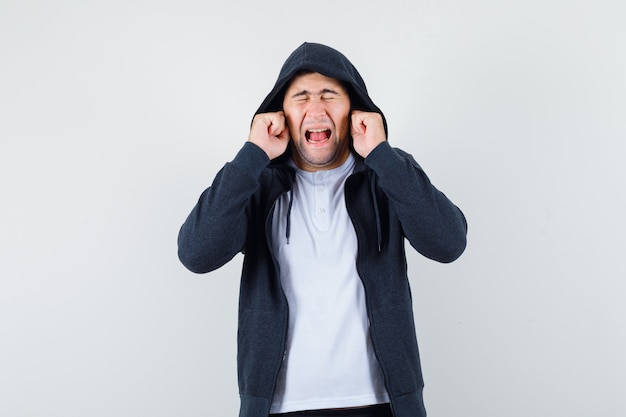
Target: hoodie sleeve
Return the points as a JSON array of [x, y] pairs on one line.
[[434, 226], [216, 229]]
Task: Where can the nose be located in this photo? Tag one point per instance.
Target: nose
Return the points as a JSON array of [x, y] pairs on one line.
[[316, 108]]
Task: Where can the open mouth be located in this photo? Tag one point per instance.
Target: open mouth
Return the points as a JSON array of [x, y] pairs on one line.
[[317, 135]]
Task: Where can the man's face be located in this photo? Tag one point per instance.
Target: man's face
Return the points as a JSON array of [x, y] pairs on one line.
[[317, 110]]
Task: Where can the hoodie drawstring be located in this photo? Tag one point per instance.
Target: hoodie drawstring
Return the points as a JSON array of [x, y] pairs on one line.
[[379, 233], [288, 228]]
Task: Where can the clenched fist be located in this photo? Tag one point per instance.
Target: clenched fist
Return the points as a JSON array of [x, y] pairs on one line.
[[269, 132], [368, 131]]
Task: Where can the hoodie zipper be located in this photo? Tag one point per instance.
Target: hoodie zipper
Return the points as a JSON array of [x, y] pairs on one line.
[[268, 237]]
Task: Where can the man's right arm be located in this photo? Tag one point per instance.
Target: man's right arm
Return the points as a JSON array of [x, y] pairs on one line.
[[216, 229]]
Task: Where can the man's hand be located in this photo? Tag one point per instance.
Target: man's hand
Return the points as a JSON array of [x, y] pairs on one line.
[[368, 131], [268, 132]]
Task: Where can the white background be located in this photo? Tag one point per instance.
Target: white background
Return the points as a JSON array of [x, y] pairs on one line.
[[115, 115]]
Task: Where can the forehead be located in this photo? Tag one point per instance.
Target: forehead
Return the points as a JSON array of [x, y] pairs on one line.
[[314, 82]]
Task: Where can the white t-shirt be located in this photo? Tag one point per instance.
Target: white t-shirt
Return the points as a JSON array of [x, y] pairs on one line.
[[329, 360]]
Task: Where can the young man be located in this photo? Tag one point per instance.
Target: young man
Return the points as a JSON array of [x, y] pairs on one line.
[[321, 204]]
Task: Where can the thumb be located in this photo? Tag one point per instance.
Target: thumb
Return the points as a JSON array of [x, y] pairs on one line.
[[276, 124], [357, 124]]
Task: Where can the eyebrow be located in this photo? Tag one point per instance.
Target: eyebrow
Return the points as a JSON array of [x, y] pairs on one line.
[[306, 92]]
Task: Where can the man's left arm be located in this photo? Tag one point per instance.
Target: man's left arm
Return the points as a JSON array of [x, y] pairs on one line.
[[434, 226]]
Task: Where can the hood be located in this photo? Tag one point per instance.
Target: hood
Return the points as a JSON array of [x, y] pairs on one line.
[[326, 61]]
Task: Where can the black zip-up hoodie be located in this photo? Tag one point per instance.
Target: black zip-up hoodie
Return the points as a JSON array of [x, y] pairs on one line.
[[389, 200]]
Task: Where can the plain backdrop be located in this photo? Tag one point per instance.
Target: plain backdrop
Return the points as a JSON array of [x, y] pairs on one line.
[[115, 115]]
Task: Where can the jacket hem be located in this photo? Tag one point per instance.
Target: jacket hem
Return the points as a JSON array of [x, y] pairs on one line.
[[252, 406], [408, 405]]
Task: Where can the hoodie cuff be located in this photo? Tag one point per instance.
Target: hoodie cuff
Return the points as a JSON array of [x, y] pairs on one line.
[[251, 159], [382, 158]]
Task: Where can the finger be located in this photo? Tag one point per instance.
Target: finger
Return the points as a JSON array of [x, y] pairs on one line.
[[357, 122], [284, 135], [276, 124]]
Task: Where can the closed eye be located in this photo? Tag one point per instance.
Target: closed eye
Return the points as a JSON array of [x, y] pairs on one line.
[[325, 94]]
